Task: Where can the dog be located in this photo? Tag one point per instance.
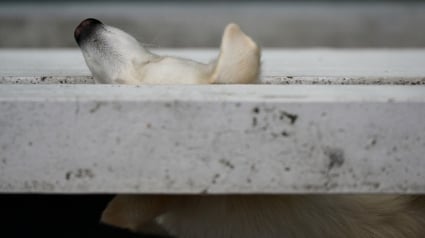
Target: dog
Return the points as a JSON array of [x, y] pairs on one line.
[[115, 57]]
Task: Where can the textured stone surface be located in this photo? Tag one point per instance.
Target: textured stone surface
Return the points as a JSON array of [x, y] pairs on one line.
[[280, 66], [212, 139]]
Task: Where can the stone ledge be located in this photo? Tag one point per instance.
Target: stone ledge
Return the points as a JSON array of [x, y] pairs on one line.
[[280, 66], [212, 139]]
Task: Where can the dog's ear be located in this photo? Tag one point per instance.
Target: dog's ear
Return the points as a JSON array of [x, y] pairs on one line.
[[135, 212], [239, 59]]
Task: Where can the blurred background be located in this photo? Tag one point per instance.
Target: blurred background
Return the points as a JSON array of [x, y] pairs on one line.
[[167, 23]]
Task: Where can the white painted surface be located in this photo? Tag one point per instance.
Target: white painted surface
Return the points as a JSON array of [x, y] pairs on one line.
[[212, 139], [284, 66]]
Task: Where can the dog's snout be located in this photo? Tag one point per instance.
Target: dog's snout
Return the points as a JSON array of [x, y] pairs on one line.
[[85, 28]]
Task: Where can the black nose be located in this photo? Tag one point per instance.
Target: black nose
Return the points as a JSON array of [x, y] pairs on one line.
[[85, 28]]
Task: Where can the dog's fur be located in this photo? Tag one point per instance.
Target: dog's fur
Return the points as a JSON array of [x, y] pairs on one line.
[[113, 56], [271, 216]]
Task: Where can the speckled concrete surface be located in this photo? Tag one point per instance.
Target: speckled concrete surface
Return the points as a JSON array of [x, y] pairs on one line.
[[212, 139], [216, 139], [280, 66]]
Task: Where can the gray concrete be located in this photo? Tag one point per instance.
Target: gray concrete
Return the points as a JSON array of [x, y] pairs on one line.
[[216, 139], [280, 66], [201, 25], [212, 139]]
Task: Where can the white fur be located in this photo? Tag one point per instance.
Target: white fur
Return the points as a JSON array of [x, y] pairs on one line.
[[114, 56], [271, 216]]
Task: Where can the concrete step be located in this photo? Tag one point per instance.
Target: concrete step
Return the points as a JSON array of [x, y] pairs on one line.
[[280, 66], [212, 139]]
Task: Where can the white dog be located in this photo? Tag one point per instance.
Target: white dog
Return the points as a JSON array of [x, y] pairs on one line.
[[113, 56]]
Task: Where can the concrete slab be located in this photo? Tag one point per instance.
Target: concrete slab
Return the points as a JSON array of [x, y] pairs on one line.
[[212, 139], [280, 66]]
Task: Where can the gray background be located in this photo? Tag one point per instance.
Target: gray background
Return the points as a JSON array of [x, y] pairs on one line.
[[385, 24]]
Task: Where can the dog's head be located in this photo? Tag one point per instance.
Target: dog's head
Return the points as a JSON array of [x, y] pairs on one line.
[[114, 56], [110, 53]]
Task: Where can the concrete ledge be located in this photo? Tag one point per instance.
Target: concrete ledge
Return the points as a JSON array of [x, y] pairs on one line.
[[280, 66], [212, 139]]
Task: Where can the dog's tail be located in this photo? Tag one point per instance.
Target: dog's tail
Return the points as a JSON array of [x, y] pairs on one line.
[[239, 59]]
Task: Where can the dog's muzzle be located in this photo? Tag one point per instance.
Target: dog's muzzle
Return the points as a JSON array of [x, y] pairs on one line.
[[85, 29]]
